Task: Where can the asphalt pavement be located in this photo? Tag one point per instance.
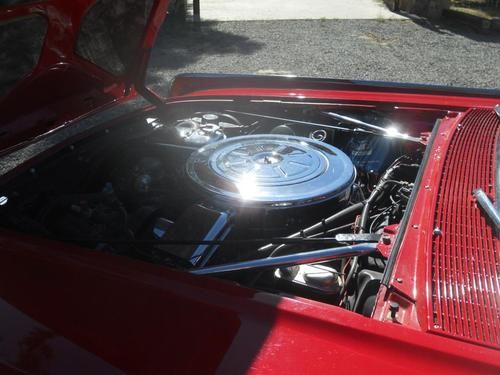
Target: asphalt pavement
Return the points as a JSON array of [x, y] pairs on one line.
[[413, 51]]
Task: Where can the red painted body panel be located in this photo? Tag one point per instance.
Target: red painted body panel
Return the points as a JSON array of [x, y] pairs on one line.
[[108, 312], [409, 278], [440, 101], [463, 268], [293, 88]]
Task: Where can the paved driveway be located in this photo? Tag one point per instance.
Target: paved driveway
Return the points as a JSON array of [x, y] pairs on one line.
[[252, 10]]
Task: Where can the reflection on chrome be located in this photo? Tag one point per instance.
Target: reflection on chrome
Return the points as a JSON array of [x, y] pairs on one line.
[[388, 132], [247, 186], [393, 131], [271, 170]]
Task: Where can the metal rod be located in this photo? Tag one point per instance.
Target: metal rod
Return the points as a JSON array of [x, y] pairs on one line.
[[376, 128], [250, 241], [308, 123], [316, 256], [487, 207]]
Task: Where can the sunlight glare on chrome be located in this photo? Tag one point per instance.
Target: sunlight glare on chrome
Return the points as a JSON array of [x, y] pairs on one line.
[[247, 186], [153, 122], [393, 131]]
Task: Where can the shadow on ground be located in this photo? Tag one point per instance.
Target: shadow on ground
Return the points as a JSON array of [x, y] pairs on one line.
[[451, 26], [180, 44], [415, 50]]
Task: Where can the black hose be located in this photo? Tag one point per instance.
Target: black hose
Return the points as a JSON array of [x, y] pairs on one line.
[[375, 194], [365, 215], [307, 232], [329, 220]]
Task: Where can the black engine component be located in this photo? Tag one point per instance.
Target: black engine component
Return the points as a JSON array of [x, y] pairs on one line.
[[87, 216], [197, 222]]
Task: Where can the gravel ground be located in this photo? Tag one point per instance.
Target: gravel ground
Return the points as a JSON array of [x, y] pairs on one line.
[[384, 50]]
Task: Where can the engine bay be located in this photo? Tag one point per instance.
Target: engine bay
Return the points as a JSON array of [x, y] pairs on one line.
[[286, 197]]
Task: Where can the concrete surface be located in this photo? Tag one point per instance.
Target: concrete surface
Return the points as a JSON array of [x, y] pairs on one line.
[[252, 10]]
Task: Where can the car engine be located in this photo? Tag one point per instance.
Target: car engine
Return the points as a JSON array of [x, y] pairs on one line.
[[256, 193]]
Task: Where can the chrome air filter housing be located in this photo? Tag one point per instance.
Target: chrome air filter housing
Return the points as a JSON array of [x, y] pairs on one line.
[[271, 171]]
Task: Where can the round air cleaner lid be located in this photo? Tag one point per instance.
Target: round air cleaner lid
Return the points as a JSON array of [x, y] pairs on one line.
[[271, 170]]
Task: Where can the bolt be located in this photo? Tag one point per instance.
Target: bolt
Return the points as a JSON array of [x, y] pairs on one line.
[[3, 200], [415, 226], [399, 280], [427, 187], [393, 308], [437, 232]]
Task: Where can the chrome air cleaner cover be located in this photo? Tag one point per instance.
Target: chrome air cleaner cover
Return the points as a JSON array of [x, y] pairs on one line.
[[271, 170]]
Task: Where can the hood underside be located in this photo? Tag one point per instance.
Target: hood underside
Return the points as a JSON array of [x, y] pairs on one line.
[[60, 60]]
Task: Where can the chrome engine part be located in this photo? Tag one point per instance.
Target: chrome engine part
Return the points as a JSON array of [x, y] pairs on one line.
[[320, 278], [204, 128], [198, 133], [271, 171]]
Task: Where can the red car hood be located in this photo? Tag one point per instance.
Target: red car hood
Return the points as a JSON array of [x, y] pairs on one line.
[[61, 59]]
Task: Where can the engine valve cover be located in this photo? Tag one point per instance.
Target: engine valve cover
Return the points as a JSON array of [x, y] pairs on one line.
[[272, 170]]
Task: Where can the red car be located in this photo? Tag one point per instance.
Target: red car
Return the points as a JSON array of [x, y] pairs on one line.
[[243, 224]]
